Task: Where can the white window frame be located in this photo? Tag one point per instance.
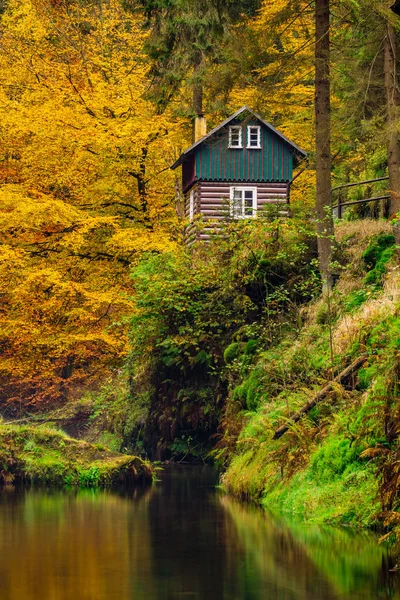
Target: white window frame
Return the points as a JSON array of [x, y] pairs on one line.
[[191, 205], [239, 129], [242, 188], [258, 147]]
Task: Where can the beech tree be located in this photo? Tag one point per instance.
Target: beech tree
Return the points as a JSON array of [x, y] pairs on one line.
[[85, 190]]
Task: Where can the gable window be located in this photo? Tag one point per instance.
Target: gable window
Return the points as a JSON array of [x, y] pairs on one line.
[[235, 137], [243, 202], [253, 136]]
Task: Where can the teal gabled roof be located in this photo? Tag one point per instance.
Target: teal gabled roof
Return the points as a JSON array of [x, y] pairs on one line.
[[296, 150]]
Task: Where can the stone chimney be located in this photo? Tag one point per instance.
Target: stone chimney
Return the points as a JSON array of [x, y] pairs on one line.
[[200, 127]]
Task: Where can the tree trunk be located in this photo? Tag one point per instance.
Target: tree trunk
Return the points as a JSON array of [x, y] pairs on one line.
[[392, 116], [325, 229], [392, 120]]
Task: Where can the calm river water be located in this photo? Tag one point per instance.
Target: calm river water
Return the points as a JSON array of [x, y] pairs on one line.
[[178, 540]]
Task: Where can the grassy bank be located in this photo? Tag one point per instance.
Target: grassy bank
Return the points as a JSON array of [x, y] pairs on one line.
[[42, 455], [339, 463]]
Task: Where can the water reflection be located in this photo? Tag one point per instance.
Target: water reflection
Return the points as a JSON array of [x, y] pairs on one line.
[[299, 561], [180, 539]]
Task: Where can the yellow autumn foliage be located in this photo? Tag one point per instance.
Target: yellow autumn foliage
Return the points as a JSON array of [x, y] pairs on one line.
[[85, 189]]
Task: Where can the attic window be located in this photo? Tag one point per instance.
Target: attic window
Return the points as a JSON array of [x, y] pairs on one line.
[[235, 137], [254, 136]]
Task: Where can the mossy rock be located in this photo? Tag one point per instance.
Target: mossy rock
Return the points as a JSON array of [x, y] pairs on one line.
[[231, 352], [45, 456]]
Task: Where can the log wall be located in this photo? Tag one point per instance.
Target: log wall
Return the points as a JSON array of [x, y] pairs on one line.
[[212, 202]]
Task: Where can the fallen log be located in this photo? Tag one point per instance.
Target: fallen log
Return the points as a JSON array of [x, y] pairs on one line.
[[341, 378], [33, 421]]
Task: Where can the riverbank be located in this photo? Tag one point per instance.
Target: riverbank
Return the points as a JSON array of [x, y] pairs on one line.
[[339, 463], [45, 456]]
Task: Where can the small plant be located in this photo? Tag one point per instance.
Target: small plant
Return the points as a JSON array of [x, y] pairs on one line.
[[89, 477], [31, 447]]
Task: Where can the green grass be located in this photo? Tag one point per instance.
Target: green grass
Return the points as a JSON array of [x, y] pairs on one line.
[[350, 498], [334, 486]]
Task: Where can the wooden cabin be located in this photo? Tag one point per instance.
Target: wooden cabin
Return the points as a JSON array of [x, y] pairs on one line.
[[235, 171]]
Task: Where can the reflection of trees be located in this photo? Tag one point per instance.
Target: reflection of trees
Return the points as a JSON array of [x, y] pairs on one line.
[[187, 536], [70, 546], [309, 562], [176, 540]]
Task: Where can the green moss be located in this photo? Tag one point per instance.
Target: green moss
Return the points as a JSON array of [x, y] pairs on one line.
[[331, 460], [372, 255], [250, 392], [231, 352], [45, 456], [376, 257], [351, 499], [251, 347]]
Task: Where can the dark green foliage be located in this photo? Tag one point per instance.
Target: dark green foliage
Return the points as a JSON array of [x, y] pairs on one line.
[[199, 322], [186, 40], [355, 299]]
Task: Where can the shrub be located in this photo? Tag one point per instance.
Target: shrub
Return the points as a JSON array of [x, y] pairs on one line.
[[355, 299]]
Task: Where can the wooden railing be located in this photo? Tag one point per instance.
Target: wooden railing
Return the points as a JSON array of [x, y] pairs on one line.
[[340, 204]]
